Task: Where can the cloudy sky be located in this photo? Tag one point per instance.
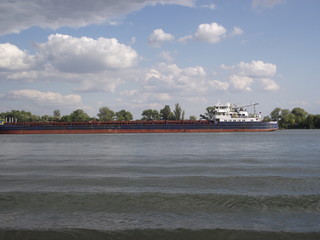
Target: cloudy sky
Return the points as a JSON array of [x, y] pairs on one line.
[[141, 54]]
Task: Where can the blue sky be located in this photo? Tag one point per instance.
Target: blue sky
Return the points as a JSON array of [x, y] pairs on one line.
[[142, 54]]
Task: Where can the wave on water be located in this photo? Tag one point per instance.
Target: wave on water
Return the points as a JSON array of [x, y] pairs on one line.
[[124, 202], [154, 234], [161, 186]]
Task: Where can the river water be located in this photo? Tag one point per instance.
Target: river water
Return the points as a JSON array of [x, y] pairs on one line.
[[161, 186]]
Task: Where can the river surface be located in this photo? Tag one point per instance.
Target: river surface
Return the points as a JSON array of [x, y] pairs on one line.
[[161, 186]]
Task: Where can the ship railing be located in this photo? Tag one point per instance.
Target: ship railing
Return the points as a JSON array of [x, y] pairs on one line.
[[93, 123]]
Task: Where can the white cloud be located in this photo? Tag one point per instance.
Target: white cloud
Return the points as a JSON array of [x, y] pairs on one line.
[[210, 6], [19, 15], [241, 83], [245, 74], [254, 69], [265, 3], [44, 98], [70, 54], [153, 73], [211, 33], [165, 55], [97, 85], [95, 65], [185, 38], [27, 76], [269, 84], [12, 58], [158, 36], [162, 96], [107, 81], [219, 85], [237, 31], [179, 81], [128, 92], [151, 100], [165, 83]]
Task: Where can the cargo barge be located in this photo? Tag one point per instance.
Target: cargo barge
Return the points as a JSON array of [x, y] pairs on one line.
[[223, 118]]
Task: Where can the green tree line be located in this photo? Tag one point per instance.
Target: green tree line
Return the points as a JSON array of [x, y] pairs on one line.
[[104, 114], [164, 114], [296, 118]]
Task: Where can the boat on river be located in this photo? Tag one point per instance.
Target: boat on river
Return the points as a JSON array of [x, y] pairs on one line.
[[222, 117]]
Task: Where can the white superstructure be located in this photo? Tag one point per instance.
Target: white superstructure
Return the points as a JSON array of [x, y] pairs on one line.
[[226, 112]]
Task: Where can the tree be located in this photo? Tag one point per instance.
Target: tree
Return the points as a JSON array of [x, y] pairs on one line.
[[150, 114], [297, 118], [66, 118], [106, 114], [287, 119], [299, 112], [193, 118], [209, 114], [267, 119], [275, 114], [20, 116], [178, 112], [46, 118], [166, 113], [124, 115], [56, 115], [78, 116], [309, 121], [300, 116], [316, 121]]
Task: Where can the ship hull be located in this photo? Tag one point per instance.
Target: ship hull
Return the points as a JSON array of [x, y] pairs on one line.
[[136, 127]]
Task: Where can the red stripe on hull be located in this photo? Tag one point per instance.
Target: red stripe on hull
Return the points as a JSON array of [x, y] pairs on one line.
[[95, 131]]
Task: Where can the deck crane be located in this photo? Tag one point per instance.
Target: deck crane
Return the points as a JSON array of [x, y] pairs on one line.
[[249, 105]]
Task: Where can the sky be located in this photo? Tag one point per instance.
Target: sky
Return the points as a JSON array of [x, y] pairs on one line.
[[145, 54]]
